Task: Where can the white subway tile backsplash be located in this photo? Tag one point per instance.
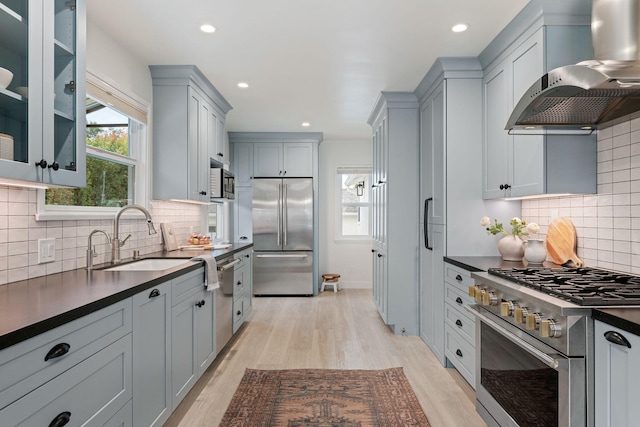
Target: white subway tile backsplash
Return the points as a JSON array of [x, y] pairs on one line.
[[622, 128]]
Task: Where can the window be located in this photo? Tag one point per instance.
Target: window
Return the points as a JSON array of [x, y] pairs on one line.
[[116, 155], [353, 188]]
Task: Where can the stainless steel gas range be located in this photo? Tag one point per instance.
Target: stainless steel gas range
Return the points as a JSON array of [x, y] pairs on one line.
[[534, 341]]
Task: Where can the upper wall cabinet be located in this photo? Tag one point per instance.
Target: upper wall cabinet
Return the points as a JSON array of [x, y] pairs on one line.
[[525, 165], [283, 160], [188, 131], [42, 109]]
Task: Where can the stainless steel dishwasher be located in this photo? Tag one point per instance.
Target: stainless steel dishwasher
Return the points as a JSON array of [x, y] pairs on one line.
[[224, 303]]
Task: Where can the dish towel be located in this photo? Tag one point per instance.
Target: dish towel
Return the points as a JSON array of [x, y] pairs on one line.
[[210, 272]]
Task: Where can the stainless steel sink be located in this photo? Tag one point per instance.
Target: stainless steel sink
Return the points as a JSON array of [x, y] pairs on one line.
[[150, 264]]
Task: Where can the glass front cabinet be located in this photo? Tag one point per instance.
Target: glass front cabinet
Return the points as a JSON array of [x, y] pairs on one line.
[[42, 108]]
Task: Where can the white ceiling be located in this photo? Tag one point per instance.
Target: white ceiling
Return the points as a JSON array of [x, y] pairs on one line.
[[322, 61]]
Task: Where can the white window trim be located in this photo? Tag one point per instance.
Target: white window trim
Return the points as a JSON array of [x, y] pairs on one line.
[[338, 237], [140, 152]]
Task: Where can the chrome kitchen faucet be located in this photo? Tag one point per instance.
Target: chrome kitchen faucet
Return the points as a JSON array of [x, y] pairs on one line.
[[116, 244], [91, 252]]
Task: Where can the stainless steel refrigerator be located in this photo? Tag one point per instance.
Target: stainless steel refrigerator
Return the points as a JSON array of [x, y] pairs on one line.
[[283, 236]]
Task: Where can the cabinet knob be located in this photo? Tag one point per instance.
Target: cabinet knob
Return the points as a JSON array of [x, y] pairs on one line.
[[61, 419], [379, 255], [458, 278], [459, 353], [201, 303], [459, 300], [239, 313], [244, 238], [239, 283], [42, 163], [373, 251], [247, 256], [55, 166], [459, 323], [154, 293], [203, 193], [280, 173], [504, 186], [220, 155]]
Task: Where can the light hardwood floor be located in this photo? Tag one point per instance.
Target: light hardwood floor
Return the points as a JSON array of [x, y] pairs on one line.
[[333, 331]]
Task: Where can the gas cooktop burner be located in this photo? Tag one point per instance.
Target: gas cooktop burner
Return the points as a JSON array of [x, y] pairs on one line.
[[583, 286]]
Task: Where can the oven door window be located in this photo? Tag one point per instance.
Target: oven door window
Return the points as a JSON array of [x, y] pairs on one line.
[[526, 388]]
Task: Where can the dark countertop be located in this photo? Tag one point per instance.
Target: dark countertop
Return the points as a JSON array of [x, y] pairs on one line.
[[31, 307], [483, 263], [627, 319]]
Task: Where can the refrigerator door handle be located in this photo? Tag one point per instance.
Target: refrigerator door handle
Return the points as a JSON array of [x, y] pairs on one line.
[[279, 231], [285, 224], [282, 256]]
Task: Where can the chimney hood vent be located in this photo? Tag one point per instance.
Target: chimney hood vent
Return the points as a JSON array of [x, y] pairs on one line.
[[584, 95]]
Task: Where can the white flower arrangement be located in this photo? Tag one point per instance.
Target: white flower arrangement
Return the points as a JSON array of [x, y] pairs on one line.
[[518, 227]]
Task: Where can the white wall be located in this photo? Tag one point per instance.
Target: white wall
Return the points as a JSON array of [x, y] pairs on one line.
[[607, 223], [351, 260]]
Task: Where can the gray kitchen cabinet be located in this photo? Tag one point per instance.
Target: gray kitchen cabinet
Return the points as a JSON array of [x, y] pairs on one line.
[[394, 122], [243, 163], [82, 367], [242, 289], [283, 160], [189, 115], [43, 108], [520, 165], [450, 201], [617, 377], [243, 223], [192, 333], [123, 418], [459, 325], [152, 403]]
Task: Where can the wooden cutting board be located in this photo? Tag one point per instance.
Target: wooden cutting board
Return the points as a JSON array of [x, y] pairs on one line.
[[562, 242]]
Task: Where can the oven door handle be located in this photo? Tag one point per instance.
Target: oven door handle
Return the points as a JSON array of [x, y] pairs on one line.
[[543, 357]]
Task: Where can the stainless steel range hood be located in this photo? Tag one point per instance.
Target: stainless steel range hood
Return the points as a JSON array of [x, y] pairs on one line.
[[582, 96]]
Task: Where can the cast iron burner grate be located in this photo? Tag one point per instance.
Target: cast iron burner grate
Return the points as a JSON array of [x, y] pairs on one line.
[[583, 286]]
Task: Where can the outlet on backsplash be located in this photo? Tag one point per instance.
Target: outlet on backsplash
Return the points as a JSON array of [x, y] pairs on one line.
[[46, 250]]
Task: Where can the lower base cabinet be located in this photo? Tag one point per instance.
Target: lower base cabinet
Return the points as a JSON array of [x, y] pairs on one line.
[[152, 403], [89, 394], [617, 376]]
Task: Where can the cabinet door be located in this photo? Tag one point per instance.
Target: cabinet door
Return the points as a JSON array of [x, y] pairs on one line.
[[205, 332], [617, 377], [223, 141], [267, 160], [184, 370], [526, 151], [432, 152], [495, 154], [197, 117], [298, 159], [380, 262], [243, 163], [432, 323], [244, 214], [152, 356]]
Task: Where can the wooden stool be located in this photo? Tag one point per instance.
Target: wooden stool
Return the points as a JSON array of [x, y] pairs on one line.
[[331, 280]]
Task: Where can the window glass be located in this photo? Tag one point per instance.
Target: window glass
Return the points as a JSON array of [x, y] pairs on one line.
[[110, 169], [354, 191]]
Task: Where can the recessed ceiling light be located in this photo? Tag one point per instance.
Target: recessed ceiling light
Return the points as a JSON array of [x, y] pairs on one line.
[[243, 85], [206, 28], [306, 124], [459, 28]]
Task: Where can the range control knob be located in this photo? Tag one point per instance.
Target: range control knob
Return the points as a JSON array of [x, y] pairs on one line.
[[472, 291], [480, 294], [533, 321], [507, 308], [550, 329], [520, 314], [489, 298]]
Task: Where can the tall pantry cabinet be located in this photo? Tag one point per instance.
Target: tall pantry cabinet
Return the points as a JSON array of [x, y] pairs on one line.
[[450, 200], [394, 121]]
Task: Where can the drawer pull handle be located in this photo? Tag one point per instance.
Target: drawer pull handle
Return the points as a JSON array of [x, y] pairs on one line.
[[459, 323], [201, 303], [58, 350], [617, 338], [247, 256], [239, 283], [459, 300], [61, 420], [239, 313], [458, 278], [459, 353], [154, 293]]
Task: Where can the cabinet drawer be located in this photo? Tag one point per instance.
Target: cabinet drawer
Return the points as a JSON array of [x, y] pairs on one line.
[[23, 367], [245, 258], [458, 277], [458, 321], [92, 392], [461, 354], [239, 278], [238, 312], [182, 287], [456, 297]]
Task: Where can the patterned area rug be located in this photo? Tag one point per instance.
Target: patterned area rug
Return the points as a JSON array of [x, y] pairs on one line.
[[324, 398]]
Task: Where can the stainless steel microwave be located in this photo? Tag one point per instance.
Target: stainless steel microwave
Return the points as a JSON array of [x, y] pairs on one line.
[[222, 184]]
